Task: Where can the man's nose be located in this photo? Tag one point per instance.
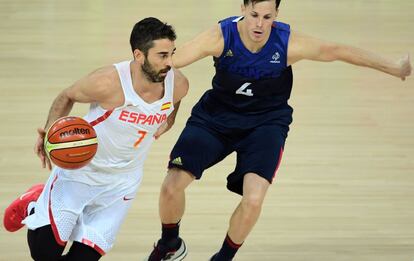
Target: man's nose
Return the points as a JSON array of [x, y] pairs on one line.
[[259, 22]]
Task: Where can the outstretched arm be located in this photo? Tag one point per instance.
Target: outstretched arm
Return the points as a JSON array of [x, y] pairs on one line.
[[208, 43], [303, 47]]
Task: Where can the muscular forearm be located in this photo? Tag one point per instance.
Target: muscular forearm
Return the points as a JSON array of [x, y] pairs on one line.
[[186, 55], [303, 47], [365, 58], [170, 123], [61, 106], [171, 117], [208, 43], [167, 125]]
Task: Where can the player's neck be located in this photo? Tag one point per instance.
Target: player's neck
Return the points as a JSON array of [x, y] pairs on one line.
[[148, 90]]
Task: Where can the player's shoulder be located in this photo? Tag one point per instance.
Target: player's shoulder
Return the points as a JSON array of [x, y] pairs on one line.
[[180, 78], [181, 83], [105, 76], [281, 26], [104, 82], [230, 19]]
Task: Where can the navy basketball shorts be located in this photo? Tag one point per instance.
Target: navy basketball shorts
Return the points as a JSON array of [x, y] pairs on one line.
[[259, 151]]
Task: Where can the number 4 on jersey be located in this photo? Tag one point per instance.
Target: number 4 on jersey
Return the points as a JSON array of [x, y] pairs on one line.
[[244, 91]]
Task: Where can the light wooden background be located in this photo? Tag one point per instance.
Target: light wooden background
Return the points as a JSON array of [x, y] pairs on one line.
[[345, 189]]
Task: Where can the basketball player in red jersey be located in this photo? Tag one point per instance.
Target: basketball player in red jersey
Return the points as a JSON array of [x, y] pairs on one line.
[[132, 103]]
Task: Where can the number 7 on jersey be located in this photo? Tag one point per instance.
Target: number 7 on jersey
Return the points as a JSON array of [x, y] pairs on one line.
[[141, 137]]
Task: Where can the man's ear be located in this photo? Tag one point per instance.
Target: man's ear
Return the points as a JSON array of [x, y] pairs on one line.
[[243, 10], [139, 56]]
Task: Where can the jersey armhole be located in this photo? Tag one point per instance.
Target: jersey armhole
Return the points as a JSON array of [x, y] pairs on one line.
[[225, 40], [287, 50], [285, 32]]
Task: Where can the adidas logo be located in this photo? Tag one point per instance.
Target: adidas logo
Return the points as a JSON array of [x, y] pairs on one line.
[[229, 53], [177, 161]]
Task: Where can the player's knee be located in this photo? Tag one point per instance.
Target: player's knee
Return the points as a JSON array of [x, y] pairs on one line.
[[252, 204], [175, 183], [168, 190]]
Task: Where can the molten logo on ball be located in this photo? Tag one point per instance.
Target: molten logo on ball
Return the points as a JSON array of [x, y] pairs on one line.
[[75, 131]]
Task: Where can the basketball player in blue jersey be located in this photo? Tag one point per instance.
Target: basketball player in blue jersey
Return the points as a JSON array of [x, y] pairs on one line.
[[246, 112]]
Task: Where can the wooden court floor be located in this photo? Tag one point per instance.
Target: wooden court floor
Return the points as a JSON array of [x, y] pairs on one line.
[[345, 189]]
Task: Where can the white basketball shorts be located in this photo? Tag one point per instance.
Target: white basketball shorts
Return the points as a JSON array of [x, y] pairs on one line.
[[85, 207]]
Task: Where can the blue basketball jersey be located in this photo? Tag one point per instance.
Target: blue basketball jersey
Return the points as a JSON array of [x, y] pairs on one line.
[[249, 89]]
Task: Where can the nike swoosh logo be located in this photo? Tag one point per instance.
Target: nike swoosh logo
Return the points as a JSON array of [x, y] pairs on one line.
[[25, 194], [126, 199]]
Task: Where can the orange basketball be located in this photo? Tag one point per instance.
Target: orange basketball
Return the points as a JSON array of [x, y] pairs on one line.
[[71, 142]]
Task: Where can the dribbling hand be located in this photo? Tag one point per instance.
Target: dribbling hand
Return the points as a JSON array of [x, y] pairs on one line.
[[39, 149]]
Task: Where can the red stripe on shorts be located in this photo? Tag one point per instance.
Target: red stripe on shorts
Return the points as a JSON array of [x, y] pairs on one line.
[[102, 118], [93, 245], [278, 163], [52, 221]]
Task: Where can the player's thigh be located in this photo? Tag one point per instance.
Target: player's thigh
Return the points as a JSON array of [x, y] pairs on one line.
[[197, 149], [261, 151], [101, 220], [61, 203]]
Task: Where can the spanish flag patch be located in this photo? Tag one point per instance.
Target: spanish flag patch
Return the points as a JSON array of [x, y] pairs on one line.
[[166, 106]]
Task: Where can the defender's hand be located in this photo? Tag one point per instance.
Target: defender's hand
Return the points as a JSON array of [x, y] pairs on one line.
[[405, 67], [39, 149]]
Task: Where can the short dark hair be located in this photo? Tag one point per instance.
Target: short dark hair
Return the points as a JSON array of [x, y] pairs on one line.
[[148, 30], [246, 2]]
